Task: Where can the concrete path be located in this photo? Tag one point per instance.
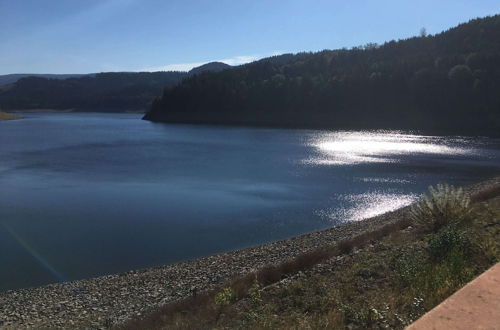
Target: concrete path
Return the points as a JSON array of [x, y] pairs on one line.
[[475, 306]]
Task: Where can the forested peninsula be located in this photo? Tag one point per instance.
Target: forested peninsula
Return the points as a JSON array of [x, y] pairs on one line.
[[447, 81]]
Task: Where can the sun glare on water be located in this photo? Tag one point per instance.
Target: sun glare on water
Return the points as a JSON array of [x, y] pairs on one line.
[[365, 206], [347, 148], [355, 148]]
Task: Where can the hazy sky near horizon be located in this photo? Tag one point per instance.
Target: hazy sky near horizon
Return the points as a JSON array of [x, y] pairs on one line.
[[83, 36]]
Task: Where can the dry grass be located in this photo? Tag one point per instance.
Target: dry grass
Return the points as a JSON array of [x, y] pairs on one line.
[[8, 116], [486, 194]]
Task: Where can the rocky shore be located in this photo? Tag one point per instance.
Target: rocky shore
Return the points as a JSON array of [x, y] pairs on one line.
[[101, 302]]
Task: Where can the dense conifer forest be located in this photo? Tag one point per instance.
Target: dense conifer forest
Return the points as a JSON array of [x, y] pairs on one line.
[[110, 91], [447, 81]]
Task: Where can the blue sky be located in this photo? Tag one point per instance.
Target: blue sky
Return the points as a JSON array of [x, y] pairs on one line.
[[82, 36]]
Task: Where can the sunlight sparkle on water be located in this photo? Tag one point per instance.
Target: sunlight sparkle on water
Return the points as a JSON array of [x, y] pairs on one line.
[[346, 148], [366, 206]]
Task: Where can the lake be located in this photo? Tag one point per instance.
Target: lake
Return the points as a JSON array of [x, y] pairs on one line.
[[83, 195]]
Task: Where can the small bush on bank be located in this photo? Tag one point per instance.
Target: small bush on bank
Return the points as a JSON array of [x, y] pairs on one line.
[[442, 206], [224, 297], [438, 267], [446, 241]]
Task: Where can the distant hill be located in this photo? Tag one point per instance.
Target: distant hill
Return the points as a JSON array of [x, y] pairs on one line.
[[110, 91], [447, 81], [211, 67], [12, 78]]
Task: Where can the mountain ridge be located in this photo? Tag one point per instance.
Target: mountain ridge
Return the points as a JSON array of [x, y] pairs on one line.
[[14, 77], [105, 91]]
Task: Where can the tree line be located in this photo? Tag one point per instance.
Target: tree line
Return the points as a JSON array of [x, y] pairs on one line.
[[109, 91], [450, 80]]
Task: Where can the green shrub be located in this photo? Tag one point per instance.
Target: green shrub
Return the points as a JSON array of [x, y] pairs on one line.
[[446, 241], [443, 205], [224, 297], [439, 267], [255, 292]]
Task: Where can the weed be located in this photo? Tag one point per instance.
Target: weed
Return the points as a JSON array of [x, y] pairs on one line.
[[224, 297], [442, 206], [255, 292]]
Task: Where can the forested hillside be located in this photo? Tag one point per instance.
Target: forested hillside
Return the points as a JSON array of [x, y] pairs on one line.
[[111, 91], [12, 78], [447, 81]]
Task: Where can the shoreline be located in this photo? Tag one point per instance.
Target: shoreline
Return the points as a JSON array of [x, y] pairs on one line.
[[107, 300], [405, 130], [42, 111], [6, 116], [429, 131], [73, 111]]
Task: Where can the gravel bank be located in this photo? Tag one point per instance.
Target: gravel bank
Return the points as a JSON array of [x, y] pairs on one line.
[[101, 302]]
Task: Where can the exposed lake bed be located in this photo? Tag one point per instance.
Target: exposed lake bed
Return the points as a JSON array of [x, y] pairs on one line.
[[83, 195]]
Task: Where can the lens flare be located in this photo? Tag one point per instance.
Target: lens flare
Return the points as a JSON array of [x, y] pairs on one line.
[[42, 261]]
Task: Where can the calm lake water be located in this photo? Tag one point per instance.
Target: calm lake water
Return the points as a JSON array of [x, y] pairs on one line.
[[83, 195]]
